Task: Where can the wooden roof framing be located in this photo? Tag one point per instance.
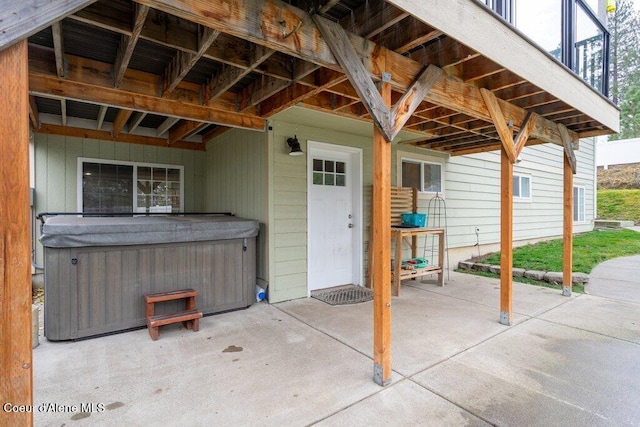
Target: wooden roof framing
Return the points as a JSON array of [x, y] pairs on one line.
[[211, 65]]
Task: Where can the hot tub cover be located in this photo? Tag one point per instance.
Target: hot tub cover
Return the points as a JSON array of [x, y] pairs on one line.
[[73, 231]]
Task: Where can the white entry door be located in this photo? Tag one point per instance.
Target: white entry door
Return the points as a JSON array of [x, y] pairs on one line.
[[333, 217]]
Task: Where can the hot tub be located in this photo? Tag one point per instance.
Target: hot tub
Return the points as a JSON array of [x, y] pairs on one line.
[[98, 269]]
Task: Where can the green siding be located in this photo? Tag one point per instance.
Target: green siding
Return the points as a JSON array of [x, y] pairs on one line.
[[56, 175], [236, 181], [288, 203]]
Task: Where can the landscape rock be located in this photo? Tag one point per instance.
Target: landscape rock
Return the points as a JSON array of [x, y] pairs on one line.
[[534, 274], [580, 278], [553, 277], [518, 272], [495, 269], [465, 265], [482, 267]]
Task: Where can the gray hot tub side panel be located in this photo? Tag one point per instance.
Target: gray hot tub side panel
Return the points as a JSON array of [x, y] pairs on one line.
[[99, 289]]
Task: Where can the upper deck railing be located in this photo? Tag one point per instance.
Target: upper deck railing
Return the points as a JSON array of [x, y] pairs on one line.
[[569, 30]]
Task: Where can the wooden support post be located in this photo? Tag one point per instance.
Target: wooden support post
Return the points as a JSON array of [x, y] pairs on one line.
[[567, 238], [381, 226], [506, 237], [16, 385]]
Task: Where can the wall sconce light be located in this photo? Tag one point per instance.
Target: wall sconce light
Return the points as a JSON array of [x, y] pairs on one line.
[[294, 144]]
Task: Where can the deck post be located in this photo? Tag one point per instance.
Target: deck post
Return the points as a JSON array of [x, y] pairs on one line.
[[506, 237], [16, 385], [381, 226], [567, 238]]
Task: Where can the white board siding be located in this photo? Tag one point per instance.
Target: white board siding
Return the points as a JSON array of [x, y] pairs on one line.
[[56, 175], [472, 195], [236, 182]]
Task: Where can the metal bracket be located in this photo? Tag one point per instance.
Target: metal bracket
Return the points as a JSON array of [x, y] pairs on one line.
[[377, 375], [386, 77], [566, 291], [504, 318]]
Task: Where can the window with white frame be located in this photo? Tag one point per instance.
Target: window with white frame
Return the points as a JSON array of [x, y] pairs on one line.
[[421, 172], [110, 186], [521, 187], [578, 204]]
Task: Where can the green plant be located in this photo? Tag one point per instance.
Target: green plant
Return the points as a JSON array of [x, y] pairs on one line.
[[589, 250]]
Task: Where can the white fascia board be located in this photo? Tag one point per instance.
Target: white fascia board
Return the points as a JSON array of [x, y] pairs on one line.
[[474, 25]]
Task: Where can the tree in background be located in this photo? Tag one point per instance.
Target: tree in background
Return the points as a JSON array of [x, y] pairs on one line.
[[624, 74]]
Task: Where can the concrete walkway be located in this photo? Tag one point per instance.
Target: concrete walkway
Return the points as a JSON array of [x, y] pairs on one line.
[[565, 361], [617, 278]]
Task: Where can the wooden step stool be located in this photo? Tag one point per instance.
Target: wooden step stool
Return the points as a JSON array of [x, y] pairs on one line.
[[189, 316]]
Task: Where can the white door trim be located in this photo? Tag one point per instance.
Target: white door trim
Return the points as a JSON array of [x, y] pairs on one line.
[[356, 157]]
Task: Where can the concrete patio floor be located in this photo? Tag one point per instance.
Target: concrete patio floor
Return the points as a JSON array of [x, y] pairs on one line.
[[565, 361]]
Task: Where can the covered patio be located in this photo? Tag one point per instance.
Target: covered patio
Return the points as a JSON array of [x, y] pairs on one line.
[[180, 73], [565, 361]]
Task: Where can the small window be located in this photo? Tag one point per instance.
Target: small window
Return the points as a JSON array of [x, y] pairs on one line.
[[578, 204], [329, 172], [425, 176], [521, 187], [119, 187]]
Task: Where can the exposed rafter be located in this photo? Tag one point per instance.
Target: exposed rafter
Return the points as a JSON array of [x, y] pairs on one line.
[[128, 44], [20, 19], [257, 27], [568, 147], [52, 87], [58, 47], [183, 62]]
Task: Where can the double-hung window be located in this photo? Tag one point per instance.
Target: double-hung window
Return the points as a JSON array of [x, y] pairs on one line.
[[122, 187], [521, 187], [421, 172], [578, 204]]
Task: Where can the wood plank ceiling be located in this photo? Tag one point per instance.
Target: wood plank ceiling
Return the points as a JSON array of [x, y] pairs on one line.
[[125, 71]]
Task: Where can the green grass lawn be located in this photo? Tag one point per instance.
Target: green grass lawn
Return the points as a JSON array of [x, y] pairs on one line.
[[619, 204], [589, 250]]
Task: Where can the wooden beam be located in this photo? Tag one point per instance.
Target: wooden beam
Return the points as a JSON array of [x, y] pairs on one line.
[[101, 114], [412, 98], [183, 62], [21, 19], [328, 5], [52, 87], [137, 118], [381, 251], [254, 21], [474, 25], [231, 75], [120, 121], [184, 130], [372, 18], [346, 55], [523, 135], [166, 125], [568, 147], [506, 135], [123, 137], [567, 228], [506, 238], [63, 111], [33, 112], [128, 44], [15, 246], [58, 47]]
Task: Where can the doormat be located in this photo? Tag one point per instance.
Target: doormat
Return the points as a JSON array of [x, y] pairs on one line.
[[342, 295]]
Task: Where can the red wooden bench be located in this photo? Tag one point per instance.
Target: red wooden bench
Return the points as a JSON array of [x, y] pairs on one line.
[[189, 316]]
